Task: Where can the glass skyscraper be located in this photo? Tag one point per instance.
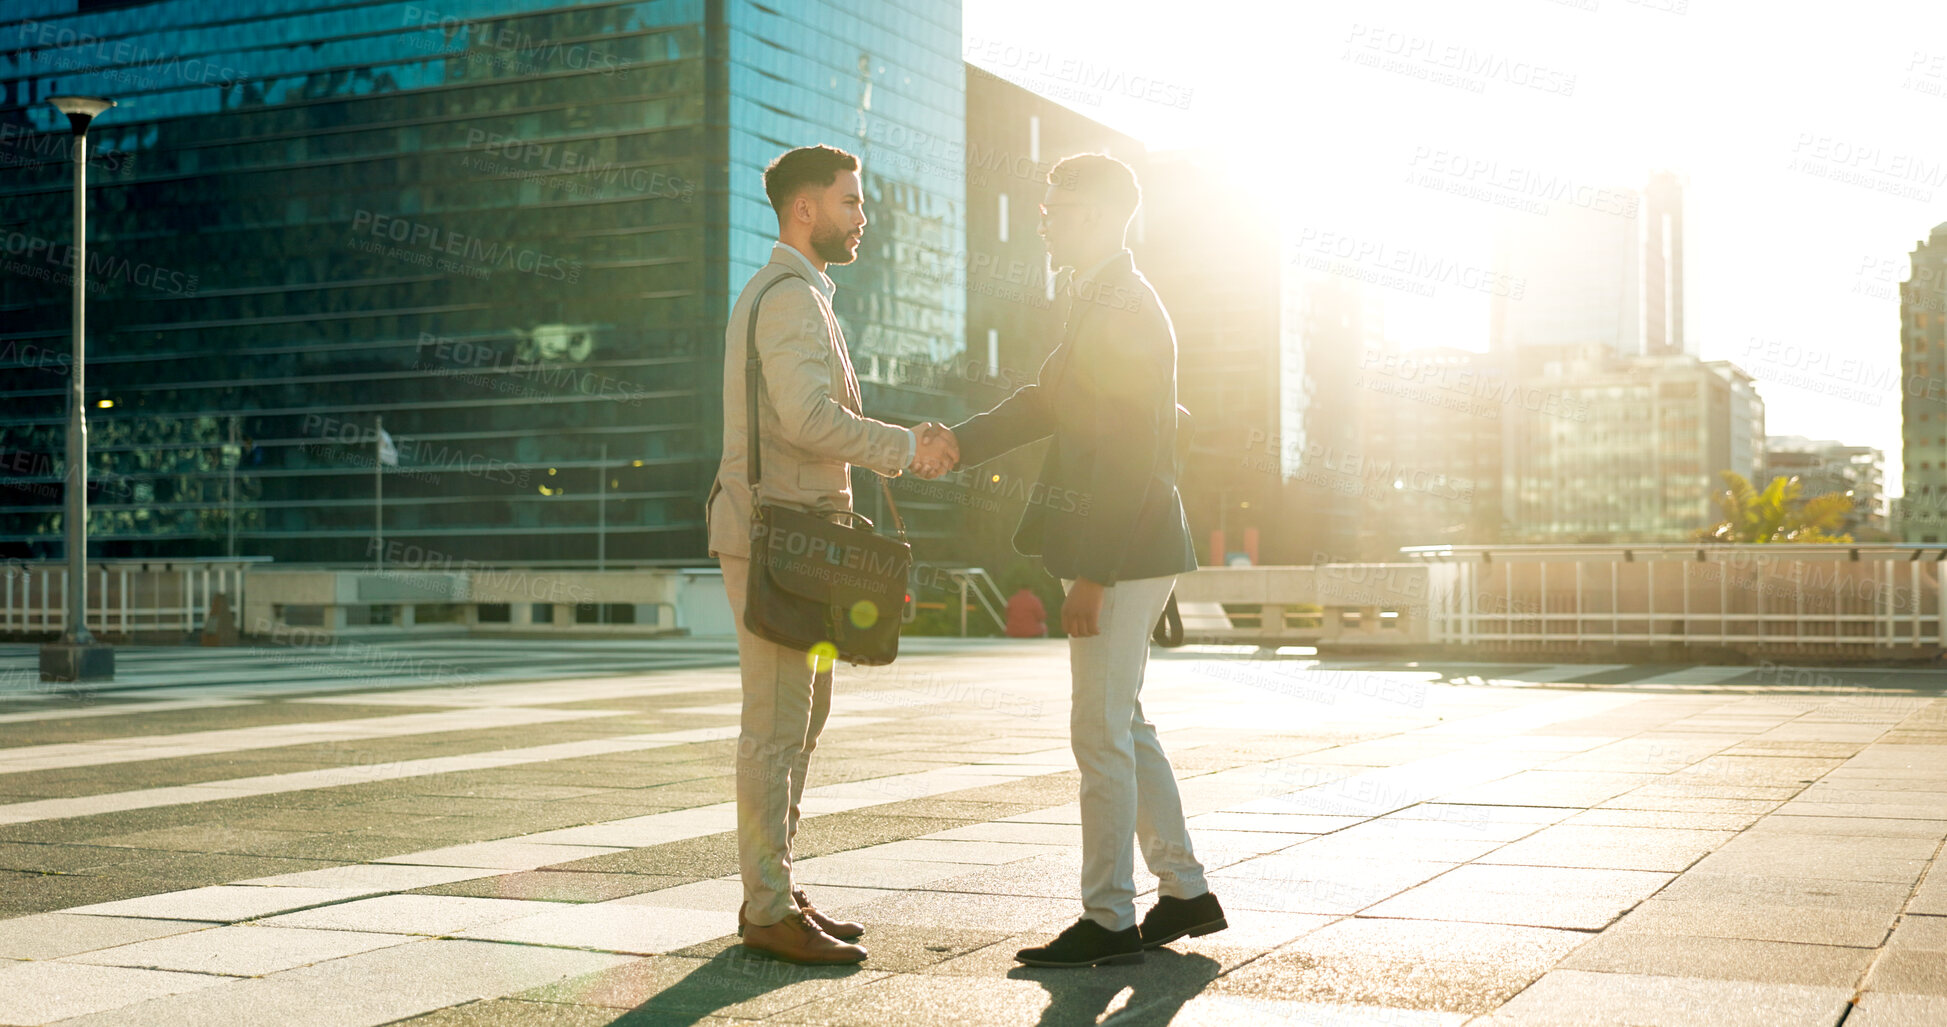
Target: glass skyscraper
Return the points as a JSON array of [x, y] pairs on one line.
[[512, 230]]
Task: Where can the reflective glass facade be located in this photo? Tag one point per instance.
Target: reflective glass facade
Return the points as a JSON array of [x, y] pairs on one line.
[[512, 230]]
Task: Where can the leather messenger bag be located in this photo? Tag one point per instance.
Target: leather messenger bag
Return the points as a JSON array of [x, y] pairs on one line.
[[837, 591]]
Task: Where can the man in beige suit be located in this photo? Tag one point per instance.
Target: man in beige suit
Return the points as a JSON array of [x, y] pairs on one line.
[[812, 432]]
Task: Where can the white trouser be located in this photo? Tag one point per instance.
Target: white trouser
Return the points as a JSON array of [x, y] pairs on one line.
[[785, 704], [1128, 786]]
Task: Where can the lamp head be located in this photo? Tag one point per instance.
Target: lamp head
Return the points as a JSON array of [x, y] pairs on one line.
[[80, 109]]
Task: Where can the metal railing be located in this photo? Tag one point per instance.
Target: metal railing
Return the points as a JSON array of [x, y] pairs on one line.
[[975, 583], [1867, 600], [126, 598]]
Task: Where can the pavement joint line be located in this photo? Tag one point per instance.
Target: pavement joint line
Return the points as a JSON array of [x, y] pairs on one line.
[[328, 777], [129, 749], [715, 813], [1542, 758], [121, 709]]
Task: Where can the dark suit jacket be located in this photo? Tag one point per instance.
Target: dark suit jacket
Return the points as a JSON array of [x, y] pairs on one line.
[[1106, 508]]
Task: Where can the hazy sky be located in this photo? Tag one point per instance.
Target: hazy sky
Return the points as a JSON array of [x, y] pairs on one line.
[[1813, 138]]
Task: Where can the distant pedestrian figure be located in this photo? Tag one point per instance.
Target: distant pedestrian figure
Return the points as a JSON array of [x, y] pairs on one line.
[[1026, 617]]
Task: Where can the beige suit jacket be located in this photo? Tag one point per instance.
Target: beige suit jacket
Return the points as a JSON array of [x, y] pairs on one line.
[[810, 410]]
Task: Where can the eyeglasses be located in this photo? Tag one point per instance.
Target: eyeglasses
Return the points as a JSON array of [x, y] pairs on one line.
[[1049, 206]]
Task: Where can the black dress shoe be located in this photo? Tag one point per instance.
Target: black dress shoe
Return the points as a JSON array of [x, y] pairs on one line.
[[1087, 943], [1174, 918]]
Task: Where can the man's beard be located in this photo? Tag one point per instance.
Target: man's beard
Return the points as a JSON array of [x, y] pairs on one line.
[[829, 242]]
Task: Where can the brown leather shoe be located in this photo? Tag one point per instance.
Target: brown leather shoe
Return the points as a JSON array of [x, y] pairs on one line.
[[795, 939], [843, 930]]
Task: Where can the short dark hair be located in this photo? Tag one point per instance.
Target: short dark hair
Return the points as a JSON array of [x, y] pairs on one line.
[[1101, 178], [806, 165]]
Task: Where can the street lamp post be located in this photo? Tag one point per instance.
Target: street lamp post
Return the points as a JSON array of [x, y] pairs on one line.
[[77, 656]]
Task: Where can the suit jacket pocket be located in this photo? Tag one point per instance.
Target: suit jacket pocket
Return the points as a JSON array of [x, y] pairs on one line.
[[822, 477]]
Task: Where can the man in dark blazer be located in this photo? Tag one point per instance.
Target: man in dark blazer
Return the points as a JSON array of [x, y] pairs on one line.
[[1110, 525]]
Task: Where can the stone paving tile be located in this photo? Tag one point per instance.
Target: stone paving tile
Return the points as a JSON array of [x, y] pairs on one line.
[[1220, 1010], [556, 886], [1642, 800], [921, 1000], [1802, 891], [52, 935], [1931, 897], [893, 948], [1829, 750], [1809, 925], [1630, 1000], [960, 911], [1057, 875], [1453, 967], [858, 871], [501, 855], [1290, 882], [1784, 771], [934, 850], [66, 859], [207, 838], [1738, 959], [1725, 792], [607, 926], [681, 989], [243, 950], [1550, 788], [726, 893], [1486, 817], [411, 914], [1918, 810], [1610, 848], [1278, 823], [1352, 844], [1663, 819], [512, 1013], [1851, 827], [1803, 856], [1033, 834], [21, 894], [1575, 898], [1881, 1009], [369, 988], [371, 878], [43, 992], [223, 903]]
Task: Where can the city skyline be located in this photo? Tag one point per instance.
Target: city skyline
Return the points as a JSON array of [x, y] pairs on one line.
[[1413, 127]]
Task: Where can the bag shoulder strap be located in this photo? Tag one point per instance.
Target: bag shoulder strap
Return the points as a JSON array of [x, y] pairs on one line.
[[753, 378], [1168, 632]]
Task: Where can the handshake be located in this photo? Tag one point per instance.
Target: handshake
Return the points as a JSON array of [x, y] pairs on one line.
[[938, 451]]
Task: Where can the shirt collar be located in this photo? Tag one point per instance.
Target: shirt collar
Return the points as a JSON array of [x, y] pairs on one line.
[[789, 254], [1091, 274]]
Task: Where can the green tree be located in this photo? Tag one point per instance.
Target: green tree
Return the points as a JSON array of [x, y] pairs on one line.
[[1779, 513]]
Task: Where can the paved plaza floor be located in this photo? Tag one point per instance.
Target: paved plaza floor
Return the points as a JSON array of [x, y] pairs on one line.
[[481, 832]]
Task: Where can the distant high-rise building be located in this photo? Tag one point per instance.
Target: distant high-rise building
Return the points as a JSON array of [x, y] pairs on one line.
[[1602, 265], [1014, 137], [1663, 295], [1824, 466], [1332, 471], [513, 233], [1605, 449], [1923, 410], [1214, 258], [1430, 448]]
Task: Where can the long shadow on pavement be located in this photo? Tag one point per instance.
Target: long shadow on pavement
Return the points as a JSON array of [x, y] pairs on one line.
[[1158, 988], [734, 976]]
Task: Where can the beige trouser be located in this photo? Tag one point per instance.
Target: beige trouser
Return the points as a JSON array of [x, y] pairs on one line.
[[1128, 786], [785, 705]]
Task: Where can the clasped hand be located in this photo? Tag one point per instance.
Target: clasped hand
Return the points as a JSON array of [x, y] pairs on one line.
[[938, 452]]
